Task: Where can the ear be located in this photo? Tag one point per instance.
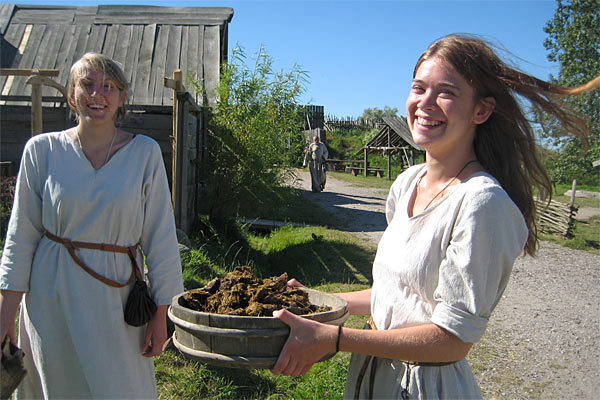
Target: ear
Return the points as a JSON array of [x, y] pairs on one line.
[[123, 97], [483, 110]]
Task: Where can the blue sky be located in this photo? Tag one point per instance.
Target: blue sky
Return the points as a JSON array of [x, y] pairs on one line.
[[360, 54]]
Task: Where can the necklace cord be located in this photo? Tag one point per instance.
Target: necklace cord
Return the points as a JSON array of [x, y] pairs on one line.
[[448, 184], [112, 142]]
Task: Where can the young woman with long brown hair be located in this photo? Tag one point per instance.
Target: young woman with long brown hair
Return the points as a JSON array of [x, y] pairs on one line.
[[455, 227]]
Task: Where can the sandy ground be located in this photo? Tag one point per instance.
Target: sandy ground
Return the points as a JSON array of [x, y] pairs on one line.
[[544, 336]]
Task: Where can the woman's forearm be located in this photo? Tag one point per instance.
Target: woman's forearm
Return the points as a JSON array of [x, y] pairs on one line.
[[9, 306], [424, 343], [359, 303]]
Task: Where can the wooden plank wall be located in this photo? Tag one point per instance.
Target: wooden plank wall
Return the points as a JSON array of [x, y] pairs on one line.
[[15, 126], [150, 43]]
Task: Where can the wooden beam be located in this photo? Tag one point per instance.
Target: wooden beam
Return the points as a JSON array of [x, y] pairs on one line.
[[37, 81], [27, 72]]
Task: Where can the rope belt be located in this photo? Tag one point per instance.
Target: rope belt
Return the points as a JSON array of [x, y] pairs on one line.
[[72, 245], [372, 360]]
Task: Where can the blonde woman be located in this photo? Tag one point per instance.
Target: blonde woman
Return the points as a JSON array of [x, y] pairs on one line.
[[96, 184]]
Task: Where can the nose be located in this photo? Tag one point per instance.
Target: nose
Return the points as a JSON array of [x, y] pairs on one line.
[[427, 100]]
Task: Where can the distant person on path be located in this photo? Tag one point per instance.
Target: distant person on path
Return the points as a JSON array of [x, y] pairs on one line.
[[315, 157], [456, 224], [98, 184]]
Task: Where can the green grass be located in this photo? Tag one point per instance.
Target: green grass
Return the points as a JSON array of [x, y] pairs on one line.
[[586, 236], [364, 181], [286, 204]]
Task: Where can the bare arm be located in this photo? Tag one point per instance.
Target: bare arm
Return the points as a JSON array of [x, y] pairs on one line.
[[9, 306], [156, 333], [359, 303], [309, 341]]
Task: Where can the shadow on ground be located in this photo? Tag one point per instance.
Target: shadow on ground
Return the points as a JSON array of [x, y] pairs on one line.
[[352, 211]]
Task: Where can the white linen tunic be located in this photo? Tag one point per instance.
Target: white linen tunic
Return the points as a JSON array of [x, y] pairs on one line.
[[72, 328], [447, 265]]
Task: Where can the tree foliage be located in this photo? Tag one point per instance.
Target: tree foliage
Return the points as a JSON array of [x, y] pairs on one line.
[[254, 133], [376, 114], [574, 42]]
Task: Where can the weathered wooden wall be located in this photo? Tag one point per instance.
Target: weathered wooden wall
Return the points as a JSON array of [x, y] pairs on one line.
[[15, 128]]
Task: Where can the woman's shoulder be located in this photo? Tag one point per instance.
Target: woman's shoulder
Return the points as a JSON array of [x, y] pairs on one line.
[[482, 190], [146, 144], [143, 140], [47, 140], [408, 176]]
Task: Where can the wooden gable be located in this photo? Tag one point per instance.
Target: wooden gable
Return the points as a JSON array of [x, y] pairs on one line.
[[149, 41]]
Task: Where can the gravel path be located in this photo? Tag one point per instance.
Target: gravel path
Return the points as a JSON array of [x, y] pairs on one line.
[[543, 340]]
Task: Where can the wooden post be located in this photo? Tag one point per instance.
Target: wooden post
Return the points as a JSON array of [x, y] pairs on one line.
[[389, 154], [36, 107], [37, 80], [574, 188], [176, 84], [365, 163]]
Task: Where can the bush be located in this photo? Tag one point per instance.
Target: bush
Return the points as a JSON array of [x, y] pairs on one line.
[[254, 134]]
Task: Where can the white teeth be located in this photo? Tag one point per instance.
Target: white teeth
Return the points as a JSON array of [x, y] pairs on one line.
[[423, 121], [96, 106]]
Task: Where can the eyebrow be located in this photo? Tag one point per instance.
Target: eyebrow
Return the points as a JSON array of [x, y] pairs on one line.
[[447, 84]]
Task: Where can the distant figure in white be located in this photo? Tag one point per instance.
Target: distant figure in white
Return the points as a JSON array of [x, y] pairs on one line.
[[315, 157]]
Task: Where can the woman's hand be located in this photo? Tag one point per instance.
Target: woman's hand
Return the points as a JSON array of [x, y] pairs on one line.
[[9, 306], [309, 341], [156, 333], [294, 283]]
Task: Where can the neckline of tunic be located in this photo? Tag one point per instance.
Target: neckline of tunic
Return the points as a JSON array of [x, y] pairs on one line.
[[451, 191], [80, 152]]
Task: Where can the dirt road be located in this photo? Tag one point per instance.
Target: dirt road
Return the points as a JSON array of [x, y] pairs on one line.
[[543, 340]]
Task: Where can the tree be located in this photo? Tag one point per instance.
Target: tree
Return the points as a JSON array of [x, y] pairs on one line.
[[574, 41], [376, 114], [254, 134]]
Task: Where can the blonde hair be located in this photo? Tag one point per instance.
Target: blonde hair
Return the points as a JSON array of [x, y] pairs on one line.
[[108, 67]]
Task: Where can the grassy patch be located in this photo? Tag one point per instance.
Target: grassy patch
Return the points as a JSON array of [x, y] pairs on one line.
[[586, 236], [364, 181], [286, 204]]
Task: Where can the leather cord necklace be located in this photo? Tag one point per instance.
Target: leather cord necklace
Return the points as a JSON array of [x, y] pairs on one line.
[[448, 184]]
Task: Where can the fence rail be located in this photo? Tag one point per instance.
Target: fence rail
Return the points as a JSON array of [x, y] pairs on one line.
[[555, 217]]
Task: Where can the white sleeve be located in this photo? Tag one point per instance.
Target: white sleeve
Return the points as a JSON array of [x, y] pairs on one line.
[[25, 227], [393, 198], [159, 240], [489, 234]]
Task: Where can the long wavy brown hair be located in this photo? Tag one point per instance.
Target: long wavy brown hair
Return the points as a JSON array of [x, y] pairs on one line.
[[505, 143]]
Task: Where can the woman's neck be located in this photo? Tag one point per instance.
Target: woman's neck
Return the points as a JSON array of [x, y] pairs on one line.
[[444, 169], [96, 135]]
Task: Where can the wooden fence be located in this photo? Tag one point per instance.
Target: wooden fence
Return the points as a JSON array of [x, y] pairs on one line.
[[556, 217]]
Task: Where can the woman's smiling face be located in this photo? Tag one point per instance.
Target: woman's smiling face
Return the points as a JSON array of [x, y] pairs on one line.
[[97, 96], [441, 110]]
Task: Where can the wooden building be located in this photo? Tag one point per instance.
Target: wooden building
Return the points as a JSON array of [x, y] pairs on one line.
[[393, 137], [149, 42]]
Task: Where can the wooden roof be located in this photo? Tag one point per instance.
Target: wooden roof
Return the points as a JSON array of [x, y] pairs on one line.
[[400, 136], [150, 42]]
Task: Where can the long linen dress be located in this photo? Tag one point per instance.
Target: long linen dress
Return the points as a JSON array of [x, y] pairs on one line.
[[315, 156], [72, 328], [447, 265]]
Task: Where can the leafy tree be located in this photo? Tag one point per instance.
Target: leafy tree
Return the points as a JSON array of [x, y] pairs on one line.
[[574, 41], [254, 134], [376, 114]]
